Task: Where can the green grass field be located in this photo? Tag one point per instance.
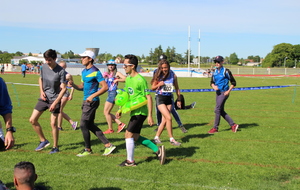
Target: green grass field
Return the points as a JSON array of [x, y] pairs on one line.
[[263, 154]]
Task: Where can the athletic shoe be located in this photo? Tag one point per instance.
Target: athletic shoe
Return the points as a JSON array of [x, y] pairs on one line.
[[175, 143], [127, 163], [213, 130], [161, 154], [84, 152], [234, 128], [42, 145], [54, 150], [60, 128], [183, 129], [109, 150], [108, 131], [2, 145], [121, 127], [157, 141], [74, 125], [193, 105]]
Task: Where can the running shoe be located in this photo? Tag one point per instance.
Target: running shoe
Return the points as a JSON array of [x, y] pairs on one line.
[[234, 128], [193, 105], [175, 143], [157, 141], [121, 127], [161, 154], [42, 145], [54, 150], [74, 125], [108, 131], [84, 152], [60, 128], [109, 150], [213, 130], [183, 129], [127, 163]]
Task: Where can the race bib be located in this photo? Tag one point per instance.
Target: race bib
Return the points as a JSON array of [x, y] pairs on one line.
[[167, 88]]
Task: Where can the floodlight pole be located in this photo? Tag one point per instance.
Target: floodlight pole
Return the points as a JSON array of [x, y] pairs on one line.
[[199, 60], [189, 46]]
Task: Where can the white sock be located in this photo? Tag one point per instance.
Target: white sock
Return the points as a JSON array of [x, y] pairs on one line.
[[130, 149], [171, 139], [156, 137], [1, 134]]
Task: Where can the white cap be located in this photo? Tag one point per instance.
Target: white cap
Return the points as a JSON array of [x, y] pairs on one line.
[[88, 53]]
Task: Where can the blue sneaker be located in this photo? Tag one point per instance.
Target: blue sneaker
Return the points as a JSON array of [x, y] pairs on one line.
[[42, 145], [54, 150]]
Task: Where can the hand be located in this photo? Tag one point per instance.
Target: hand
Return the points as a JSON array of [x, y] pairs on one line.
[[43, 96], [150, 120], [179, 104], [226, 93], [9, 140], [89, 99], [161, 83], [52, 107], [70, 83], [70, 97], [215, 87]]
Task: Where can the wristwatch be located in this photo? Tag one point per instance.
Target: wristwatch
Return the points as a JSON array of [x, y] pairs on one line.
[[12, 129]]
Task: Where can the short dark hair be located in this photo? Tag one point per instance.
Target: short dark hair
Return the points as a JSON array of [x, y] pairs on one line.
[[132, 60], [30, 179], [50, 53]]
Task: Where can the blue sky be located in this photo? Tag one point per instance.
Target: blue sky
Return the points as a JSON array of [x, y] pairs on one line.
[[135, 26]]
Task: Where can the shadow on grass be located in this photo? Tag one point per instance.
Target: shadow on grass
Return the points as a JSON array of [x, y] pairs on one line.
[[109, 188], [192, 125], [181, 152], [188, 137], [244, 126]]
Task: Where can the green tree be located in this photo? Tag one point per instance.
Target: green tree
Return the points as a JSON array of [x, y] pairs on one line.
[[5, 57], [233, 58], [281, 53]]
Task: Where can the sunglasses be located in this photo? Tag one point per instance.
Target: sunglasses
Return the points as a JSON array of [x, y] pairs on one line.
[[126, 65]]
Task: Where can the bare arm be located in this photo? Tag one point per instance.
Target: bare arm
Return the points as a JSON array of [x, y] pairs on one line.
[[149, 106], [63, 89], [177, 91], [120, 77], [42, 93]]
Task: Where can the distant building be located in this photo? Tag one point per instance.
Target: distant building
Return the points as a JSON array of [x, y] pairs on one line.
[[16, 59]]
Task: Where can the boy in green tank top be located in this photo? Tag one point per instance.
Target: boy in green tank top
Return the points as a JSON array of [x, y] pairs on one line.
[[136, 86]]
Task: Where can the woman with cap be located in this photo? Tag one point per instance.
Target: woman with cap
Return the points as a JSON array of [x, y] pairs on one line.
[[220, 83], [112, 77], [162, 82]]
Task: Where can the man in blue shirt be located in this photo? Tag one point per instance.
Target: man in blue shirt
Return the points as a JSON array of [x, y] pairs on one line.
[[220, 83], [90, 79], [6, 113], [23, 69]]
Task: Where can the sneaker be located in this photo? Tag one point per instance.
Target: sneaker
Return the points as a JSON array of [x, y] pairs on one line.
[[234, 128], [175, 143], [108, 131], [157, 141], [183, 129], [213, 130], [60, 128], [109, 150], [42, 145], [121, 127], [74, 125], [161, 154], [127, 163], [54, 150], [193, 105], [84, 152]]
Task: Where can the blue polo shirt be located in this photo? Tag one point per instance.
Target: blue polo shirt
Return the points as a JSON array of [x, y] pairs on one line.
[[221, 78], [91, 78], [5, 102]]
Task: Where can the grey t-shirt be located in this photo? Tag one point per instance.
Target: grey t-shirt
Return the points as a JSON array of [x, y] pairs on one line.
[[51, 80]]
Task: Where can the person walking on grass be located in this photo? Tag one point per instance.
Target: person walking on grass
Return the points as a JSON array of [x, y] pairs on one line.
[[67, 97], [6, 141], [136, 86], [91, 78], [162, 82], [220, 83], [173, 108], [52, 88], [112, 77]]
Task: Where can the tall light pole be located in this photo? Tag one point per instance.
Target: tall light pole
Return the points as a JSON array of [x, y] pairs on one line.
[[284, 61]]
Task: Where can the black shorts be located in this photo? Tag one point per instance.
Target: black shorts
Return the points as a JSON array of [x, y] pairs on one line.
[[160, 99], [136, 123], [44, 105], [2, 146], [89, 110]]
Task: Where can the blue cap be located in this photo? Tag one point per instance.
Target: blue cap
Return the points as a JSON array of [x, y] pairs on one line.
[[111, 62]]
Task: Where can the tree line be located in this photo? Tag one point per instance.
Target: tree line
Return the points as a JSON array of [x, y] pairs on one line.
[[282, 55]]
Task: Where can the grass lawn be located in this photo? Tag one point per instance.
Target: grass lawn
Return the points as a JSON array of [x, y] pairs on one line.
[[263, 154]]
